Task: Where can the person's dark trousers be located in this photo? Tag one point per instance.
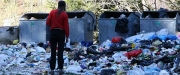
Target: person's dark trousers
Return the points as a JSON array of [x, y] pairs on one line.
[[57, 36]]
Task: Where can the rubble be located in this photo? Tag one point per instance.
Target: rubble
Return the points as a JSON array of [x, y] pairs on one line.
[[143, 54]]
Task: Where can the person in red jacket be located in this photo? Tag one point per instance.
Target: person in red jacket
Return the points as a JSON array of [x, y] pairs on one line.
[[59, 31]]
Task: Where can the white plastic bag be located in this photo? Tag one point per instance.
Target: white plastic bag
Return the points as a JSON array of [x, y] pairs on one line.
[[3, 59], [144, 36], [163, 72], [40, 49], [151, 69], [106, 44], [162, 32], [118, 57], [136, 71], [9, 53], [68, 44], [73, 69]]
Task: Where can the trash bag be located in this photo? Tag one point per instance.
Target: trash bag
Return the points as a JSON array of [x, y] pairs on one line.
[[77, 55], [107, 72], [41, 44], [121, 25], [136, 71], [86, 44], [11, 30], [162, 37], [92, 50], [151, 72], [153, 37], [106, 44], [163, 13], [162, 32], [73, 69], [133, 24], [133, 53], [163, 72], [171, 37], [135, 61], [118, 39], [3, 59]]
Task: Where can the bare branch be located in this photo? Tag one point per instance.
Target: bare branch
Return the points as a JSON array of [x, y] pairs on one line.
[[155, 4], [173, 3]]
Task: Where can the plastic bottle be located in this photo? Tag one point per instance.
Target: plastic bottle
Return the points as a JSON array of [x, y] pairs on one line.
[[133, 45]]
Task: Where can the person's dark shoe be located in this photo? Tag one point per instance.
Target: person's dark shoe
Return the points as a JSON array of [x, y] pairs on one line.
[[51, 72], [61, 71]]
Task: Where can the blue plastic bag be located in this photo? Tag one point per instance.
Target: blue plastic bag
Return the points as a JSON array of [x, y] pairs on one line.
[[152, 37], [171, 37], [162, 37], [86, 44]]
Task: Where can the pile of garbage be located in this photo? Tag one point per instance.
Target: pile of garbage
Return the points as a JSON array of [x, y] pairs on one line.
[[155, 53]]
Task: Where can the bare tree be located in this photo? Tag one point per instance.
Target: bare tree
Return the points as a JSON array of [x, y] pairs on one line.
[[14, 9]]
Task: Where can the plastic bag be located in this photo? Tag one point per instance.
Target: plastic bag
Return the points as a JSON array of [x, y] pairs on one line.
[[144, 36], [86, 44], [133, 53], [3, 59], [10, 53], [40, 49], [163, 13], [73, 68], [136, 71], [153, 37], [171, 37], [68, 43], [162, 37], [163, 72], [106, 44], [162, 32], [133, 24], [156, 43], [133, 38], [118, 57], [92, 50], [147, 35], [116, 39]]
